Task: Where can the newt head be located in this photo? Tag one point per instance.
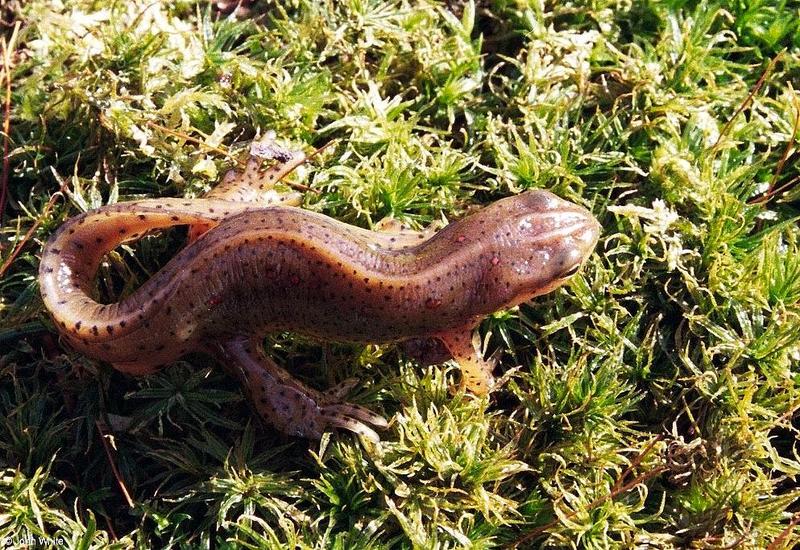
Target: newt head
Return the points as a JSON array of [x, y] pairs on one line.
[[540, 241]]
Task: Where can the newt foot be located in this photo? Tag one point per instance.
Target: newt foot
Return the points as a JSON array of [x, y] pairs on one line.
[[298, 413], [340, 390], [289, 405]]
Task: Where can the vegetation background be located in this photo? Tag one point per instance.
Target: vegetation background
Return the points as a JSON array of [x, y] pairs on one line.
[[652, 403]]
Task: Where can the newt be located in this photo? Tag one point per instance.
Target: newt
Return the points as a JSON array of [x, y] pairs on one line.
[[258, 264]]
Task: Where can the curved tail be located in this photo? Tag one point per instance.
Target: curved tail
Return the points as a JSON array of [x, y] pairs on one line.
[[72, 256]]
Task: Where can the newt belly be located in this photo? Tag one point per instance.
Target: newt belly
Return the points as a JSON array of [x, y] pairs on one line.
[[257, 268]]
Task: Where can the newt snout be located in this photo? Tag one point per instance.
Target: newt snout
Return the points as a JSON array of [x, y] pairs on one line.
[[564, 232], [542, 241]]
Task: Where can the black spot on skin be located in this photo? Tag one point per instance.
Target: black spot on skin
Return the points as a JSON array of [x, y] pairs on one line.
[[110, 329]]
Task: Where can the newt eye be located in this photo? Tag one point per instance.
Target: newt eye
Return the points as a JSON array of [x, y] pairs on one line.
[[571, 271]]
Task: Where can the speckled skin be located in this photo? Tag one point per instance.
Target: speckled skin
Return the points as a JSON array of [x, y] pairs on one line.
[[258, 269]]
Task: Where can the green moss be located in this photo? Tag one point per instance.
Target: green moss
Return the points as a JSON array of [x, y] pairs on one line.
[[650, 402]]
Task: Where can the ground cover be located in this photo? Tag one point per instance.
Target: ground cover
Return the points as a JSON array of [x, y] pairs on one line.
[[650, 403]]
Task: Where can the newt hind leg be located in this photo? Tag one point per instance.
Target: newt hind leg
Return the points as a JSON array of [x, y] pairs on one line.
[[289, 405]]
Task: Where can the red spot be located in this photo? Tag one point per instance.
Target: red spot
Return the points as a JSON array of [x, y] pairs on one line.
[[295, 279], [495, 260], [461, 238], [214, 301], [432, 303]]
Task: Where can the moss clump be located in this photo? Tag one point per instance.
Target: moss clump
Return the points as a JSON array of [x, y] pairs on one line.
[[656, 397]]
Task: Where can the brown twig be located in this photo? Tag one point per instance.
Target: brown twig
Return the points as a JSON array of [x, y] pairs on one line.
[[635, 462], [114, 535], [759, 84], [780, 188], [199, 142], [301, 186], [6, 47], [771, 190], [790, 412], [318, 150], [112, 462], [617, 489], [45, 211], [775, 544]]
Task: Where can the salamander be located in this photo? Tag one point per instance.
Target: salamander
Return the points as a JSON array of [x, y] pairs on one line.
[[258, 264]]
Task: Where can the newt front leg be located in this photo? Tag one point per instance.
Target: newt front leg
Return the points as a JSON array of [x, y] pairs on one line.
[[464, 345]]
